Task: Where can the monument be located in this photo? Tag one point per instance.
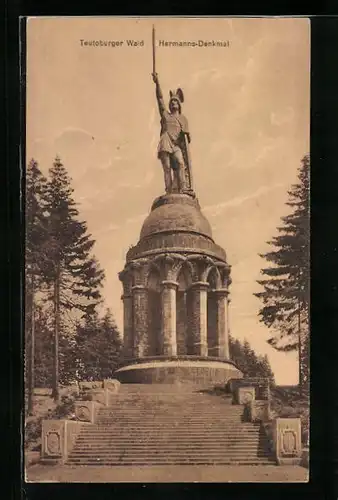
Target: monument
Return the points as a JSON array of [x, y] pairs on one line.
[[176, 278]]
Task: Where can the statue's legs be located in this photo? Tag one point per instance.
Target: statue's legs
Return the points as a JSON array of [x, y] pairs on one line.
[[180, 171], [165, 160]]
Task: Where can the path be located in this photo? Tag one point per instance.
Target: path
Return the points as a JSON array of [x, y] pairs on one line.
[[170, 474]]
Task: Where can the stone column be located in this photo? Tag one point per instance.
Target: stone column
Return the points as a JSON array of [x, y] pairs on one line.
[[222, 329], [128, 336], [212, 336], [198, 318], [168, 315], [140, 321]]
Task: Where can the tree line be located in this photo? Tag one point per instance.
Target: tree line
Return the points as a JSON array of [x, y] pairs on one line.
[[251, 364], [63, 283]]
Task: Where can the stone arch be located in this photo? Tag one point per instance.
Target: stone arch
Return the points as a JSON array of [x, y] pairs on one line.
[[153, 271], [184, 275], [192, 262], [213, 277]]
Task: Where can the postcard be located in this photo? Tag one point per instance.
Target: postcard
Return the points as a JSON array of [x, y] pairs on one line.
[[167, 249]]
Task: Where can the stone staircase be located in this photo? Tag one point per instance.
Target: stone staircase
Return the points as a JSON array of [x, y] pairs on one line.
[[159, 425]]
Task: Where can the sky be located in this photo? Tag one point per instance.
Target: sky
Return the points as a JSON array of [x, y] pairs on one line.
[[248, 107]]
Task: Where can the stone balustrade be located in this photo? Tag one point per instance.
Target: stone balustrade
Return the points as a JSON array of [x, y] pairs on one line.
[[59, 436], [58, 439]]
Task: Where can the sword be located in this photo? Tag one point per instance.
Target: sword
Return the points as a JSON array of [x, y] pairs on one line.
[[154, 60], [187, 150]]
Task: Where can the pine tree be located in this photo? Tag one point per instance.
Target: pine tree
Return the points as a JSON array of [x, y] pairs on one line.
[[36, 237], [43, 366], [286, 288], [248, 362], [74, 274], [98, 347], [264, 368]]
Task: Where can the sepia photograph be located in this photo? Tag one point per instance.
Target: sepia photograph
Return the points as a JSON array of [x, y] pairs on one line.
[[167, 250]]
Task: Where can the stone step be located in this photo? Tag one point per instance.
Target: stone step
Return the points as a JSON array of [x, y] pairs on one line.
[[182, 408], [168, 417], [167, 408], [174, 390], [166, 457], [114, 440], [172, 451], [223, 427], [148, 450], [195, 410], [155, 425], [223, 446], [203, 398], [166, 436], [158, 431], [175, 461], [177, 404], [204, 441], [214, 444], [172, 431], [201, 401], [173, 423], [169, 413]]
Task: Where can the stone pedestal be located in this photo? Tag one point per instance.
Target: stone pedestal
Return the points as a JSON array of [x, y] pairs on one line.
[[175, 293], [168, 319], [287, 440]]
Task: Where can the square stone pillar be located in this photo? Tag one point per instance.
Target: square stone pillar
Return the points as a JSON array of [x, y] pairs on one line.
[[198, 318], [128, 336], [222, 327], [140, 321], [168, 318]]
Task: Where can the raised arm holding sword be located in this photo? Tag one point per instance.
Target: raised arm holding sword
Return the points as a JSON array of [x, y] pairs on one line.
[[173, 150]]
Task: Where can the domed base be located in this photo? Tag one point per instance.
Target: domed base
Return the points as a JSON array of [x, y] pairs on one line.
[[180, 369]]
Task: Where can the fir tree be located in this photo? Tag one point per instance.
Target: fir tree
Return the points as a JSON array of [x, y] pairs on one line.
[[286, 287], [35, 239], [43, 365], [248, 362], [74, 274], [98, 347]]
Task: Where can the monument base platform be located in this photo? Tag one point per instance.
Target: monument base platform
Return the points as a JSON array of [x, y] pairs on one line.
[[193, 370]]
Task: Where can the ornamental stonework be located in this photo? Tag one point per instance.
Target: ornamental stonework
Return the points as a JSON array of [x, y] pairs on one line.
[[83, 413], [53, 443]]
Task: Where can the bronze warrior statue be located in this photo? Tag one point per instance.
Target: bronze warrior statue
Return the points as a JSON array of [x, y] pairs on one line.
[[173, 145]]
